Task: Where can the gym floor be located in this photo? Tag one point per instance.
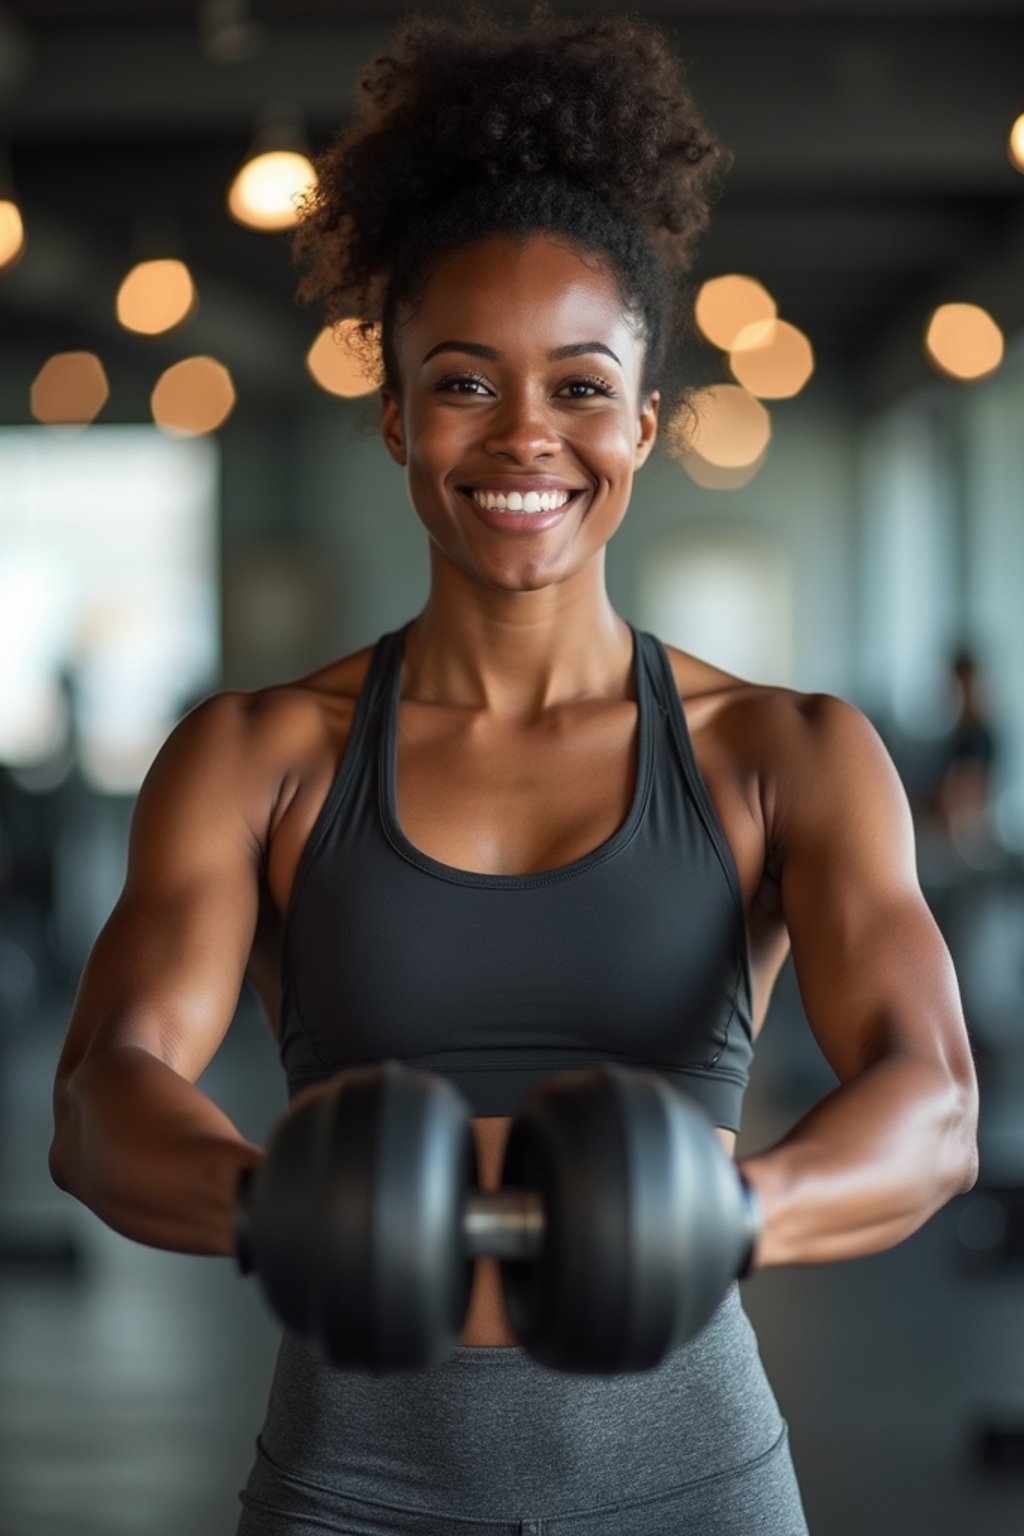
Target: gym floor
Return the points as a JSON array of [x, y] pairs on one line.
[[131, 1392]]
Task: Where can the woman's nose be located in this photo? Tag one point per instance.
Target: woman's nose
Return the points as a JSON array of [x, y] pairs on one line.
[[522, 426]]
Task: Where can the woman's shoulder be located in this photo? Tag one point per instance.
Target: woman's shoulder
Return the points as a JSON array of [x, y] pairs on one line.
[[312, 701], [279, 729], [339, 678], [716, 700], [768, 731], [698, 680]]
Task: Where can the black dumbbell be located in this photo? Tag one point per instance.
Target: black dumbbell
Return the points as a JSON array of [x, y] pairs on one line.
[[646, 1220], [353, 1221], [619, 1224]]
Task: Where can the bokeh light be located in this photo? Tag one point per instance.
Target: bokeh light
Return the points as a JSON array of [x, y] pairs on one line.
[[70, 389], [712, 477], [334, 364], [726, 426], [963, 341], [193, 396], [1015, 144], [772, 359], [155, 296], [724, 305], [12, 233], [265, 193]]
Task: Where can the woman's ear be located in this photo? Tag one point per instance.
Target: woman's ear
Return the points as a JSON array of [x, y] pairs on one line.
[[647, 427], [391, 426]]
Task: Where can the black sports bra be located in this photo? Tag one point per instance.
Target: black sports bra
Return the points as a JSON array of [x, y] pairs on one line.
[[635, 953]]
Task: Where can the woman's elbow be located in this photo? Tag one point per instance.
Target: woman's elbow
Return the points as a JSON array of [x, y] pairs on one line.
[[962, 1137], [54, 1166], [58, 1159], [61, 1153]]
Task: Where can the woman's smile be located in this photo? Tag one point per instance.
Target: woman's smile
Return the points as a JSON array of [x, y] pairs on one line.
[[523, 519]]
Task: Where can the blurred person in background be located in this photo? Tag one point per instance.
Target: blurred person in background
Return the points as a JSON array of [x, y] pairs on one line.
[[956, 801], [963, 793]]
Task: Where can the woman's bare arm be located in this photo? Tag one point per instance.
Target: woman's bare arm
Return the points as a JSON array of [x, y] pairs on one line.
[[134, 1139], [898, 1138]]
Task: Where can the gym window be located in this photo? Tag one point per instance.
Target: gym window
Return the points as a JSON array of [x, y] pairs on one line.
[[109, 595]]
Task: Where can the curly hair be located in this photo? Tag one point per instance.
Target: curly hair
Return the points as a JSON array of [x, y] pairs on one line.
[[584, 130]]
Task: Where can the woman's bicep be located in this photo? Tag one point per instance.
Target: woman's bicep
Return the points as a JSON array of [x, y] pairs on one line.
[[167, 967], [874, 972]]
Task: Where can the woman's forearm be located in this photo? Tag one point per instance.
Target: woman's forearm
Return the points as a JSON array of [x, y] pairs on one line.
[[148, 1152], [867, 1166]]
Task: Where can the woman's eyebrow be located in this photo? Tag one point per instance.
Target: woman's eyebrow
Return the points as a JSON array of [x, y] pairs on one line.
[[475, 349]]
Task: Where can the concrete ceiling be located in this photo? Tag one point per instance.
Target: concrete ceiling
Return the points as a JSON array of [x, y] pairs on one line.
[[870, 182]]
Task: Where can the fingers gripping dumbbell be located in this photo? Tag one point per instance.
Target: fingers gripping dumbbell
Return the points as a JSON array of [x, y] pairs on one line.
[[619, 1224]]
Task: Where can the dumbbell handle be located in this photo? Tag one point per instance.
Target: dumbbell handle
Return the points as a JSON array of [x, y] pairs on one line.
[[503, 1224], [509, 1224]]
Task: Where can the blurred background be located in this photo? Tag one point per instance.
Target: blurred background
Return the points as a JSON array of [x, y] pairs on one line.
[[193, 497]]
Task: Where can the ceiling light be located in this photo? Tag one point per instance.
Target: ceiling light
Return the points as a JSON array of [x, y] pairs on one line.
[[1015, 144], [275, 174], [227, 32]]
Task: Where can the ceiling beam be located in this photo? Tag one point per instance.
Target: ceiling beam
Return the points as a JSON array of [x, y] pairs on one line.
[[812, 102]]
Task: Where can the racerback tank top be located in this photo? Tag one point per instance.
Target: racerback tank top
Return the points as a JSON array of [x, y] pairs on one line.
[[635, 953]]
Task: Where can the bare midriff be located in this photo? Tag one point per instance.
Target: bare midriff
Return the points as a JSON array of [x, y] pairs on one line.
[[486, 1320]]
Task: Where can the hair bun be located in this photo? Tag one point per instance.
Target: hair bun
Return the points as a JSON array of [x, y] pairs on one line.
[[602, 102]]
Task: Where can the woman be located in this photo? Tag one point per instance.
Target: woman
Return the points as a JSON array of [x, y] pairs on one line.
[[517, 834]]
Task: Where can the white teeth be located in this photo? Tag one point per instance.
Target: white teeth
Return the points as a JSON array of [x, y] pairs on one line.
[[514, 502]]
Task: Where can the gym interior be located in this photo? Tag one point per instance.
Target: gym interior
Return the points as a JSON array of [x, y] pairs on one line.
[[197, 499]]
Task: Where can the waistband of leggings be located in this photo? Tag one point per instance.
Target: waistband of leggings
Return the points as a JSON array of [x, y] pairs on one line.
[[515, 1354], [490, 1354]]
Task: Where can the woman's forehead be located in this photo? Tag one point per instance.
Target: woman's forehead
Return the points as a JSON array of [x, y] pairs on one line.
[[521, 292]]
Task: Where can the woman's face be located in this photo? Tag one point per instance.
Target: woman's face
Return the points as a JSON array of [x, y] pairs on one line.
[[484, 401]]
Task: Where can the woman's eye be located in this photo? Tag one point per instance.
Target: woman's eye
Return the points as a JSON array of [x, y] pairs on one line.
[[459, 378], [598, 385]]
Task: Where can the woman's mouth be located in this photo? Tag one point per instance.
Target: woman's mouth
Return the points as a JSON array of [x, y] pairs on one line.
[[526, 514]]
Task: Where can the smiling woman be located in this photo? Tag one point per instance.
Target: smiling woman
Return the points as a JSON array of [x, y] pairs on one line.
[[525, 418], [581, 194], [522, 846]]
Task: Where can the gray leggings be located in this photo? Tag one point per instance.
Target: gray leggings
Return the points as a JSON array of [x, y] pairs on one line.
[[492, 1442]]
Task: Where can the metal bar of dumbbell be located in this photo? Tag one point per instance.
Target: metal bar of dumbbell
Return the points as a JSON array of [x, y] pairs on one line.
[[503, 1224]]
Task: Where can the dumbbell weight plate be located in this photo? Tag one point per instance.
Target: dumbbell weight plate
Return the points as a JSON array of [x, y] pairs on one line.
[[375, 1274], [581, 1139], [398, 1279], [617, 1158], [284, 1235]]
